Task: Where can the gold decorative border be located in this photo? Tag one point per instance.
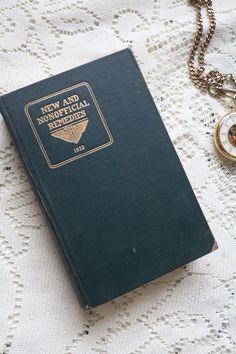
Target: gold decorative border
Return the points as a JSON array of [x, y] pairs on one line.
[[84, 83]]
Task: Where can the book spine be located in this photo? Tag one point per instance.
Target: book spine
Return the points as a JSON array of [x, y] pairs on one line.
[[80, 291]]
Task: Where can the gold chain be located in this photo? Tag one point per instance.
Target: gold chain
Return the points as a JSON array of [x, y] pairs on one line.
[[214, 81]]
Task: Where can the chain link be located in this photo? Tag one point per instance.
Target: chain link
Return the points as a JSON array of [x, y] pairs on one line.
[[214, 81]]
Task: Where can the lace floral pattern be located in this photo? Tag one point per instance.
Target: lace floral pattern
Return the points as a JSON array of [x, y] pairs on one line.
[[191, 310]]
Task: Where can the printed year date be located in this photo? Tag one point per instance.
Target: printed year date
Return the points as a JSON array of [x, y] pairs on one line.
[[79, 149]]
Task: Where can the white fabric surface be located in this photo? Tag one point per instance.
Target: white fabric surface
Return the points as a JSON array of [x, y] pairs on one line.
[[191, 310]]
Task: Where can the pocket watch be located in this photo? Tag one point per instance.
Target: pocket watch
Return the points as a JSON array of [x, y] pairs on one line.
[[225, 136], [217, 84]]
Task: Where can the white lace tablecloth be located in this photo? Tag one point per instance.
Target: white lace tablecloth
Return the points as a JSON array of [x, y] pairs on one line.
[[191, 310]]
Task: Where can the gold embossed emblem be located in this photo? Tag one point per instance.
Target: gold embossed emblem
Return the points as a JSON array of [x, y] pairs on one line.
[[71, 133], [68, 124]]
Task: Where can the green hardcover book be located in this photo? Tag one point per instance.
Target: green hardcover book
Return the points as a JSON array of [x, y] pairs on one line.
[[108, 177]]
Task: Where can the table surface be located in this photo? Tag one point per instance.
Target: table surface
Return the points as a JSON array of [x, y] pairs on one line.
[[191, 310]]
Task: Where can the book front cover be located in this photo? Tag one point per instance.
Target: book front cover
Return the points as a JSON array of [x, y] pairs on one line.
[[111, 184]]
